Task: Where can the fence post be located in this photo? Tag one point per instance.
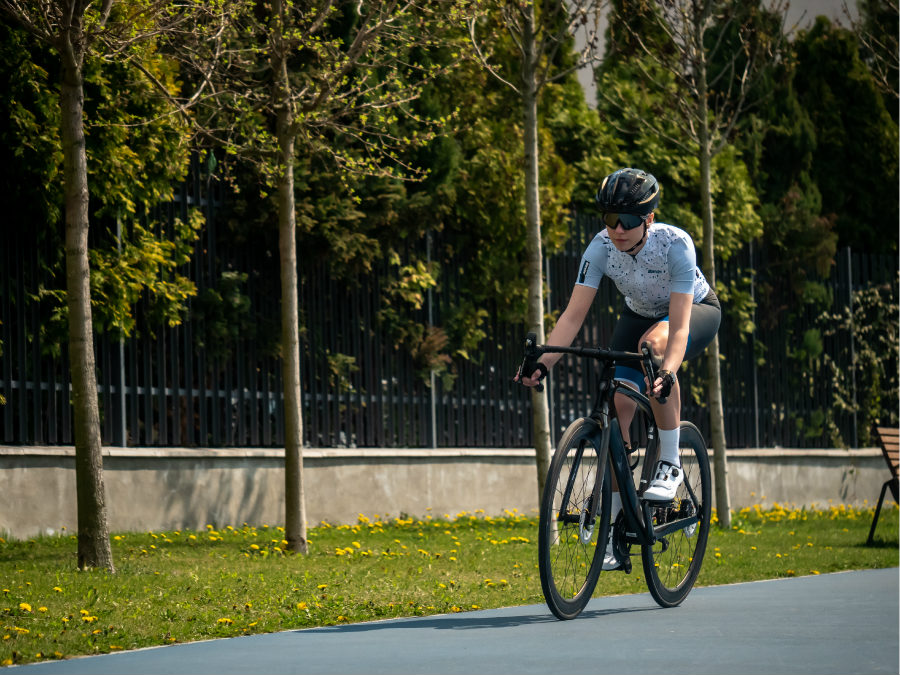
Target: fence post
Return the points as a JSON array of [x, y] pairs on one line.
[[854, 417], [433, 383], [753, 349], [119, 423], [551, 388]]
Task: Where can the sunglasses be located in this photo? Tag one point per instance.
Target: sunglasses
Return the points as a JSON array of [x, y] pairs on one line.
[[629, 221]]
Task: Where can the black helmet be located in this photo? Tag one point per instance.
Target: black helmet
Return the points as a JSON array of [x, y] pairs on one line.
[[629, 191]]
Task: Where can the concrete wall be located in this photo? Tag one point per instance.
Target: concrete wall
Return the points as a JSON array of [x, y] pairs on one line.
[[164, 489]]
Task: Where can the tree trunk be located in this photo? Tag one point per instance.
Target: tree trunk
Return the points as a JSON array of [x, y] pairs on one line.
[[93, 532], [540, 420], [294, 500], [713, 377]]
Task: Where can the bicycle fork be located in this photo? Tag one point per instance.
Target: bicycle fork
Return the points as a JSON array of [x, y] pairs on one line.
[[586, 518]]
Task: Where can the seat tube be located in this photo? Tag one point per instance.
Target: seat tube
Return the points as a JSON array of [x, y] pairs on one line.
[[619, 464]]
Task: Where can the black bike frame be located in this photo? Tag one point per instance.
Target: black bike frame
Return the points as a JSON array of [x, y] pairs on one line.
[[638, 516]]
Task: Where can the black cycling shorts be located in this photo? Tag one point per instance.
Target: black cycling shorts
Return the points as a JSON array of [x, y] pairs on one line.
[[631, 326]]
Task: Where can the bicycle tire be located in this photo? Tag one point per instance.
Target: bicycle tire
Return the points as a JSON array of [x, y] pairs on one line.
[[570, 550], [672, 564]]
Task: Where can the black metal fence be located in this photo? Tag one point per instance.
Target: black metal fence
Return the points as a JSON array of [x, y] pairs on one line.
[[159, 388]]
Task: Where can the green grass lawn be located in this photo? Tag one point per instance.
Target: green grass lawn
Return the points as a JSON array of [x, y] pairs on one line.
[[180, 586]]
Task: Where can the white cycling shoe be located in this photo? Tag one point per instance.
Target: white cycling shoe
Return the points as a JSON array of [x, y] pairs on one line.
[[610, 561], [664, 486]]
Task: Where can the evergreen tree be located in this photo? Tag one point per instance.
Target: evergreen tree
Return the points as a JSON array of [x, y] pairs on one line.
[[854, 164]]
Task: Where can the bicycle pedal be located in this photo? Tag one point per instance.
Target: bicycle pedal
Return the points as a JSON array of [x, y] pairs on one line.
[[626, 565]]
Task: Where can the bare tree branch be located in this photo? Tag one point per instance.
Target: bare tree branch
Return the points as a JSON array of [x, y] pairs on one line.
[[484, 62]]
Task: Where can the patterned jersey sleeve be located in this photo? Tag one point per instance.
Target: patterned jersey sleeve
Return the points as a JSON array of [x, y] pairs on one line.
[[682, 260], [593, 264]]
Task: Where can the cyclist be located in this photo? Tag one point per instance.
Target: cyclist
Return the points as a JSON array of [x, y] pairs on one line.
[[668, 303]]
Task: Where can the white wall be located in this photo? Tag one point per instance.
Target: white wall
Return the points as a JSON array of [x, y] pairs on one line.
[[165, 489]]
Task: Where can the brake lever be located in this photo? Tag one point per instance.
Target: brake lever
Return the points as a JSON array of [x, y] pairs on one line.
[[529, 363], [650, 369]]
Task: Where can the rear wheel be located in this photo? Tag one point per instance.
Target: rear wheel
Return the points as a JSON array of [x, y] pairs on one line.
[[571, 524], [672, 564]]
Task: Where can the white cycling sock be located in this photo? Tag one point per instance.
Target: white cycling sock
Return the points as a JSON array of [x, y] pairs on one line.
[[668, 446], [616, 506]]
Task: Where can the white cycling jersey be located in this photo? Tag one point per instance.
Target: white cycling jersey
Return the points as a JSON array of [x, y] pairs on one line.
[[666, 264]]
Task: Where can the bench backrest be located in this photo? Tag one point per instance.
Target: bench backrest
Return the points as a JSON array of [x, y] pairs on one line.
[[889, 439]]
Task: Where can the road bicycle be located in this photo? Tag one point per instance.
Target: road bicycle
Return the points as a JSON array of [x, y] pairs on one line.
[[577, 497]]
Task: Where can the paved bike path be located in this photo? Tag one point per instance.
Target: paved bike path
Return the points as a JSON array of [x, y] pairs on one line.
[[843, 623]]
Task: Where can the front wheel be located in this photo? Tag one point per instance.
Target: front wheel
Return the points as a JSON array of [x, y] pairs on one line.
[[672, 564], [573, 530]]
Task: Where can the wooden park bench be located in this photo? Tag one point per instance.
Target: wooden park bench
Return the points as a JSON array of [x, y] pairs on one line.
[[888, 440]]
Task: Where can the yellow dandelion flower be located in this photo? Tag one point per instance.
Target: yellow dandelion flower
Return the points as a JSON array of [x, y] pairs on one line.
[[322, 587], [57, 589], [225, 621], [301, 605], [6, 662], [24, 606], [42, 609]]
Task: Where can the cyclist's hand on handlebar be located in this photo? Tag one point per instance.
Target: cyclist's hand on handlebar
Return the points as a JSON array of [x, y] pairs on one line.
[[662, 385], [533, 380]]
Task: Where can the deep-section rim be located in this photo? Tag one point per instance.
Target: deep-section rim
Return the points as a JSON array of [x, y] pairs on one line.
[[566, 597]]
